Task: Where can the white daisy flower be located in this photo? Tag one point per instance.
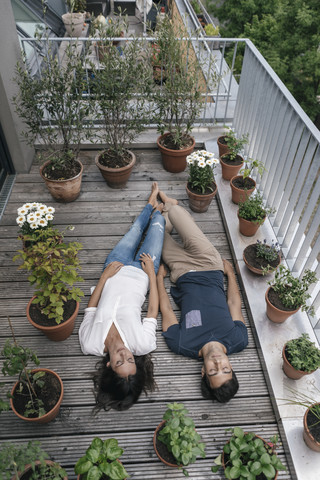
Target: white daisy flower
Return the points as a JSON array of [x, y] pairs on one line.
[[31, 218], [190, 161], [50, 210], [49, 217], [42, 222], [201, 158], [34, 225], [215, 160], [38, 214], [27, 206], [22, 211], [42, 208], [20, 220], [34, 205], [202, 164], [209, 162]]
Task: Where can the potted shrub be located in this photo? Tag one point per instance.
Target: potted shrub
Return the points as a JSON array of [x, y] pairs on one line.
[[114, 27], [230, 147], [287, 294], [178, 102], [101, 461], [56, 115], [252, 213], [246, 455], [53, 266], [175, 440], [261, 258], [300, 357], [242, 186], [28, 459], [201, 187], [122, 83], [74, 19], [37, 395]]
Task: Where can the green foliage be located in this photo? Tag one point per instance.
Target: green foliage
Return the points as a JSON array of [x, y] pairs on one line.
[[196, 7], [180, 436], [101, 459], [201, 166], [293, 291], [53, 265], [248, 457], [249, 166], [303, 399], [303, 354], [254, 210], [211, 31], [77, 6], [268, 252], [235, 144]]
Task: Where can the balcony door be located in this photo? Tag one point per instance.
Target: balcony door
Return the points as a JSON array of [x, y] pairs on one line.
[[6, 166]]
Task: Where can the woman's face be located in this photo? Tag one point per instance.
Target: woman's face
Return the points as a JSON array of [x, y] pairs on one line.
[[122, 362]]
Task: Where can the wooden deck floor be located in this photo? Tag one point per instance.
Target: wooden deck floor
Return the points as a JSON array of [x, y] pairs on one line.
[[101, 216]]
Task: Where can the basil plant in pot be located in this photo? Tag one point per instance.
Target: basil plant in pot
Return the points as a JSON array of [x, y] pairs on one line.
[[252, 213], [300, 357], [201, 187]]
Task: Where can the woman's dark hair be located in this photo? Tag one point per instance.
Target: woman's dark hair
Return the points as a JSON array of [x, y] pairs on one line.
[[113, 391], [222, 394]]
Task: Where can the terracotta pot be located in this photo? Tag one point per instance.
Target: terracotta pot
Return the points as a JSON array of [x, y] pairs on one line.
[[37, 462], [307, 435], [174, 161], [223, 148], [116, 177], [48, 417], [229, 171], [63, 190], [247, 228], [275, 314], [57, 333], [74, 24], [253, 269], [199, 202], [289, 370], [239, 194], [174, 465]]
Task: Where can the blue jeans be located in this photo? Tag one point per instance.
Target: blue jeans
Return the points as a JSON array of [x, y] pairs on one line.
[[125, 250]]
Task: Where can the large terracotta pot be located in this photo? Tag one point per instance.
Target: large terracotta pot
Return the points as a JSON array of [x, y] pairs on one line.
[[74, 24], [289, 370], [275, 314], [63, 190], [239, 194], [200, 203], [223, 148], [48, 417], [37, 462], [174, 161], [229, 171], [116, 177], [307, 435], [159, 427], [247, 228], [57, 333]]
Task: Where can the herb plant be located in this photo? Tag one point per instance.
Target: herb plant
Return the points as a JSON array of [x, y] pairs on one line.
[[235, 144], [101, 458], [180, 437], [298, 397], [201, 170], [211, 31], [268, 252], [293, 291], [247, 456], [254, 210], [249, 166], [303, 354]]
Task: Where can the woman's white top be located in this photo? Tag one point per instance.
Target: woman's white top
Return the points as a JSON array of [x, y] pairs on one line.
[[120, 303]]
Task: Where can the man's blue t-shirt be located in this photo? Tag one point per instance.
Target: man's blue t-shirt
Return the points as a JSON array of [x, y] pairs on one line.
[[205, 316]]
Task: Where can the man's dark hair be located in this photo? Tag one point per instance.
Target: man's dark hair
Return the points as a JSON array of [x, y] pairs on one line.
[[222, 394], [113, 391]]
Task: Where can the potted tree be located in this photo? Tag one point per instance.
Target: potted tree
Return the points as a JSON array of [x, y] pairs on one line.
[[122, 82], [287, 294], [201, 187], [75, 18], [300, 357], [252, 213], [261, 258], [28, 459], [101, 461], [242, 186], [37, 395], [52, 106], [246, 455], [230, 147], [175, 440], [178, 102]]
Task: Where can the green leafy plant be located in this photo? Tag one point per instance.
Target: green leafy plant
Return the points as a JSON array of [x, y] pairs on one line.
[[246, 456], [101, 458], [14, 458], [196, 7], [211, 31], [293, 291], [249, 166], [201, 166], [53, 265], [77, 6], [254, 210], [235, 144], [268, 252], [180, 437], [303, 354], [298, 397]]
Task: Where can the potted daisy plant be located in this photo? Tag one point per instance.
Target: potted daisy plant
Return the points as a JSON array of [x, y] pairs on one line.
[[201, 187]]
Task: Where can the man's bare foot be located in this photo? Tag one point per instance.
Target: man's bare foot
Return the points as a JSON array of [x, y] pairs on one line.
[[167, 199], [154, 194]]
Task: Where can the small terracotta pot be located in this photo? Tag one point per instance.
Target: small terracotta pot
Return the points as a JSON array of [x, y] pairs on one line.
[[253, 269], [174, 161], [64, 191], [289, 370], [116, 177], [174, 465], [247, 228], [275, 314], [307, 435], [57, 333], [239, 194], [200, 203], [223, 148], [48, 417], [37, 462], [229, 171]]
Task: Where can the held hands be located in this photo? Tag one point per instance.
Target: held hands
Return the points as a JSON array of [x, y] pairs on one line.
[[147, 263]]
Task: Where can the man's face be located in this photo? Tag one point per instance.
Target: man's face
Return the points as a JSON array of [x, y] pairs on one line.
[[217, 368], [123, 363]]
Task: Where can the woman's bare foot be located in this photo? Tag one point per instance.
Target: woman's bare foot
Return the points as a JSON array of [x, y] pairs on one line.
[[167, 199], [154, 194], [159, 207]]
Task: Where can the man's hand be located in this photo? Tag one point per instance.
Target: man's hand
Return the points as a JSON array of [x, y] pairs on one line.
[[228, 268], [147, 263], [162, 272]]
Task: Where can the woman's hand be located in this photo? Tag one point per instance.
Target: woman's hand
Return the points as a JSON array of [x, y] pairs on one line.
[[111, 269], [147, 263]]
